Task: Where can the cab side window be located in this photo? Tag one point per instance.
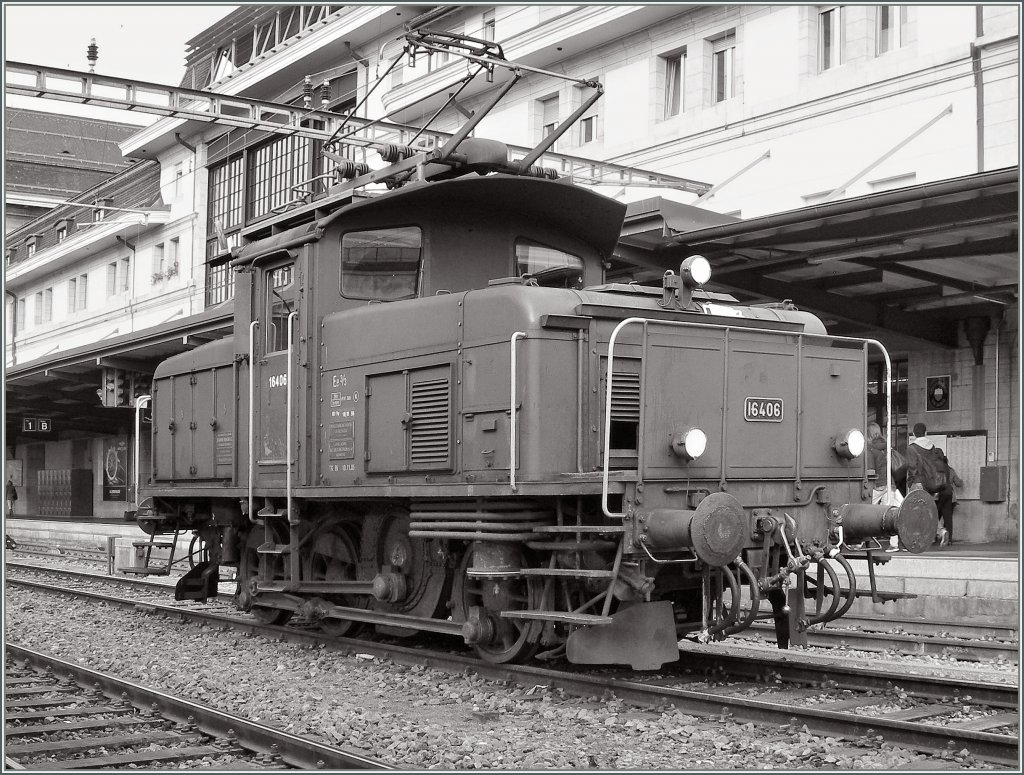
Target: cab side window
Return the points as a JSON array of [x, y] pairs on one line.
[[381, 264], [548, 266], [280, 303]]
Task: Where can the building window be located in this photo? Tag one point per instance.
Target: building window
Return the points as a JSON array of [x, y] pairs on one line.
[[723, 62], [220, 283], [172, 255], [44, 306], [549, 116], [831, 37], [588, 129], [112, 279], [126, 275], [488, 30], [891, 32], [62, 233], [674, 67], [83, 292], [179, 173], [158, 260], [226, 204], [101, 210], [72, 294], [30, 249], [21, 314], [274, 168]]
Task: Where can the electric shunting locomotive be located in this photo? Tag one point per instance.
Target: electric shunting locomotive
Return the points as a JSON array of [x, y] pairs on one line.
[[437, 414]]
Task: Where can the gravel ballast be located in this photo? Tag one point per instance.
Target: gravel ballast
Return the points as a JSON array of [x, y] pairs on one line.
[[410, 716]]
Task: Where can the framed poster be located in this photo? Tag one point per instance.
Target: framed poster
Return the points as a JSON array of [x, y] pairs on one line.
[[115, 468], [937, 394]]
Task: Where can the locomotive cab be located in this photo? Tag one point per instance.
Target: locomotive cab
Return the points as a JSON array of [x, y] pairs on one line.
[[435, 415]]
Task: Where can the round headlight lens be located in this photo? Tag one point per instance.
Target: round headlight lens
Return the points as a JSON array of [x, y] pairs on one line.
[[696, 270], [690, 444], [850, 444]]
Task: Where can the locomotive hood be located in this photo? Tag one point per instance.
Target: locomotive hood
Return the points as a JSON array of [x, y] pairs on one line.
[[595, 218]]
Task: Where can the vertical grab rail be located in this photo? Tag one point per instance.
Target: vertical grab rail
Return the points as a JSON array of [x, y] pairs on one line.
[[608, 411], [289, 406], [252, 412], [512, 414], [800, 335], [140, 402]]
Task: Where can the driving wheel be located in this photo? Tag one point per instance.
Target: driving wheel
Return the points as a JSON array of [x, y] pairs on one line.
[[332, 557], [508, 640]]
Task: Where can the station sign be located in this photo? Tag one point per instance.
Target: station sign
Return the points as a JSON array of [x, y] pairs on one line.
[[36, 424]]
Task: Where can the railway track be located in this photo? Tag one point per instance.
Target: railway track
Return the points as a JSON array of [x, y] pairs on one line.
[[62, 716], [959, 642], [875, 638], [932, 714]]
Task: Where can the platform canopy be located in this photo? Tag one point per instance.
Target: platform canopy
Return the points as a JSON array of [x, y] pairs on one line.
[[904, 265], [62, 387]]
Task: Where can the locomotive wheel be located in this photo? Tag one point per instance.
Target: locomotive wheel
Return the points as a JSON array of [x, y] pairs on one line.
[[333, 557], [411, 573], [515, 640], [249, 572]]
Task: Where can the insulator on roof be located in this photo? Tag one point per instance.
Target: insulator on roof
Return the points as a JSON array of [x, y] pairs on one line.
[[325, 93], [92, 53], [307, 92]]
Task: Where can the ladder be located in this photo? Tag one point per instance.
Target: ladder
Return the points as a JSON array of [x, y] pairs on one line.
[[155, 566]]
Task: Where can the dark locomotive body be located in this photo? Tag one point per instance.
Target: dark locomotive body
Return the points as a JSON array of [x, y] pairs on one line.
[[408, 430]]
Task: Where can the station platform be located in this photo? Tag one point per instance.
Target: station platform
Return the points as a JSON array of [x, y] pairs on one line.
[[962, 582]]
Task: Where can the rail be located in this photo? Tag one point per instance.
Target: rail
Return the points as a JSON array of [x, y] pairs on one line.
[[512, 411], [140, 402], [727, 331], [252, 418], [289, 426]]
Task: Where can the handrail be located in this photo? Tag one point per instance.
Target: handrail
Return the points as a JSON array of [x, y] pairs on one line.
[[139, 403], [512, 426], [252, 411], [726, 329], [289, 406]]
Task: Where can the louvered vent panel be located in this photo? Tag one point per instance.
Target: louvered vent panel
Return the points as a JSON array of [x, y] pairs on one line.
[[429, 436], [626, 397]]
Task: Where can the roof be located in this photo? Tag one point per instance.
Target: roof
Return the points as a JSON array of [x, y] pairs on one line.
[[137, 187], [910, 262], [55, 155]]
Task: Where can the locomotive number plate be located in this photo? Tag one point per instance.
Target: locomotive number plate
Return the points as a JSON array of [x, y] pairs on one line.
[[762, 409]]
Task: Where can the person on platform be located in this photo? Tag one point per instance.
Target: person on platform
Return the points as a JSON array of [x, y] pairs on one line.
[[877, 460], [10, 495], [928, 469]]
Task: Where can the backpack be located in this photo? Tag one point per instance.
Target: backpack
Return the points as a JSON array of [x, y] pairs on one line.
[[899, 470], [932, 470]]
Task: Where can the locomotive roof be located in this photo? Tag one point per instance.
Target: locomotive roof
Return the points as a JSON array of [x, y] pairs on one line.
[[592, 217]]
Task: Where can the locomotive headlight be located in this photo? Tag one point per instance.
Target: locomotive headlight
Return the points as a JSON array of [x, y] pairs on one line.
[[696, 270], [690, 444], [849, 444]]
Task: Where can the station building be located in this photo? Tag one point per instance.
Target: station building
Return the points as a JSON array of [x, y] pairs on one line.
[[860, 161]]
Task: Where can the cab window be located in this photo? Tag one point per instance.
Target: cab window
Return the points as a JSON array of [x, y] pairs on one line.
[[280, 304], [381, 264], [548, 266]]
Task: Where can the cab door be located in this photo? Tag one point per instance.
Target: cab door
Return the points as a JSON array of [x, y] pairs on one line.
[[278, 299]]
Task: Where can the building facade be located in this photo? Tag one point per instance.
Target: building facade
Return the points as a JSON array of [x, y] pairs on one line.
[[776, 108]]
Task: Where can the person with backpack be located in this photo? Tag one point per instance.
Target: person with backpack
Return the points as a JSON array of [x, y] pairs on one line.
[[928, 469]]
